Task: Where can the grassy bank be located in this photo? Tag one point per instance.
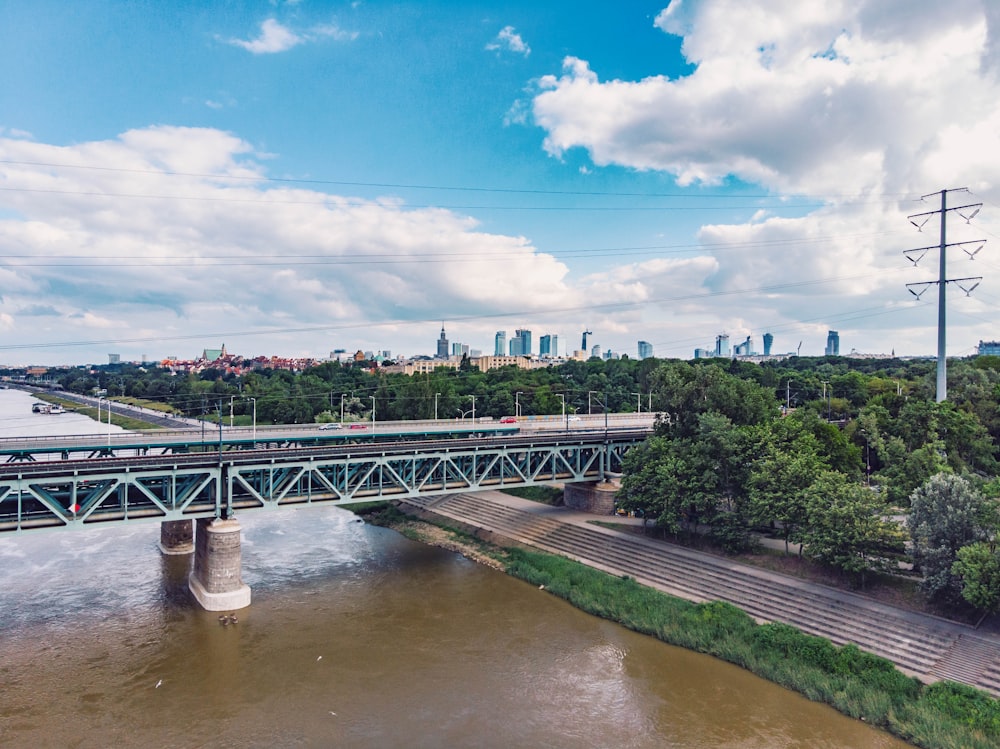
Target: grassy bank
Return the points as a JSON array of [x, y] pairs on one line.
[[939, 716], [125, 422]]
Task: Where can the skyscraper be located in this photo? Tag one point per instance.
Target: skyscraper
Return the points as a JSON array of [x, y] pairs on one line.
[[722, 344], [442, 352], [583, 346], [525, 336], [832, 343], [645, 350], [545, 345], [768, 340], [500, 343]]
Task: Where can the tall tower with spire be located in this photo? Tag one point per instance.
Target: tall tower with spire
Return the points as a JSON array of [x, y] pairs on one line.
[[442, 352]]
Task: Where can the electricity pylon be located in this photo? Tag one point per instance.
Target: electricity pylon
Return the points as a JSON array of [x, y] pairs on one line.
[[942, 282]]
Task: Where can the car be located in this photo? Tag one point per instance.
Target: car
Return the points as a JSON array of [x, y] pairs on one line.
[[572, 418], [508, 420], [331, 425], [359, 426]]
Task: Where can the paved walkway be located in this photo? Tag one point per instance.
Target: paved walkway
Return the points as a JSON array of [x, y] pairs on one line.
[[927, 647]]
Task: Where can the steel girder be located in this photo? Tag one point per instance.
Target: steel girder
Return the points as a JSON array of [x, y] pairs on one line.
[[75, 499]]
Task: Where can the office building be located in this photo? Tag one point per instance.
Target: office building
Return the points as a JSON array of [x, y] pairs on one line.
[[832, 343], [645, 350], [743, 349], [595, 352], [545, 345], [768, 340], [583, 346], [500, 343], [525, 338], [988, 348], [722, 344]]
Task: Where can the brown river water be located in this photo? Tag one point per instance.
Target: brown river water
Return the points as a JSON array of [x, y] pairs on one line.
[[356, 637]]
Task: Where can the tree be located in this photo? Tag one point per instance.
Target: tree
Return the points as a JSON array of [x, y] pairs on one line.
[[978, 568], [846, 528], [946, 514], [780, 480]]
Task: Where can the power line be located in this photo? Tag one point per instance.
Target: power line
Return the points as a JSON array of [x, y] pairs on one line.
[[405, 186], [497, 316]]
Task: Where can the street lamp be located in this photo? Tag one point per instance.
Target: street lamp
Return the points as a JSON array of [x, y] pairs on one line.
[[342, 396], [436, 396], [231, 398], [254, 420], [590, 393], [517, 404], [565, 418], [638, 402], [473, 408], [373, 416]]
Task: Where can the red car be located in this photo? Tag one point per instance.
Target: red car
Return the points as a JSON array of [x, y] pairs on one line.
[[508, 420], [358, 426]]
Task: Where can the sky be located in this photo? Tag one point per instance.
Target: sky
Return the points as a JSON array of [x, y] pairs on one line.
[[290, 178]]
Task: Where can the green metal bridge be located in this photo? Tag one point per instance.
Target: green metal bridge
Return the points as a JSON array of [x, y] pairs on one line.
[[134, 482]]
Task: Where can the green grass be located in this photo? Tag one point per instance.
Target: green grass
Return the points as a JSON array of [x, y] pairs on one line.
[[858, 684], [125, 422]]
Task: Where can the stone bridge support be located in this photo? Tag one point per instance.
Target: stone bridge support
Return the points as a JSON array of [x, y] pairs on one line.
[[215, 580], [177, 536], [597, 497]]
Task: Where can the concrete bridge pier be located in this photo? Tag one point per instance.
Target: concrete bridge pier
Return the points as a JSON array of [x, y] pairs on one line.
[[215, 580], [177, 536], [597, 497]]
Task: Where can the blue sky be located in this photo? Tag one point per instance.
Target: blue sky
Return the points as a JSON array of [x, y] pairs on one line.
[[295, 177]]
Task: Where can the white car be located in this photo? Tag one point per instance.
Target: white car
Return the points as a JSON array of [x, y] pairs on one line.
[[331, 425]]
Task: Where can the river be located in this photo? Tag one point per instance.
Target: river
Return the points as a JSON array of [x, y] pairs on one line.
[[356, 637]]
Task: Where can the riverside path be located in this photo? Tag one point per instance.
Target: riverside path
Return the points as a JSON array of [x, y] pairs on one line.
[[923, 646]]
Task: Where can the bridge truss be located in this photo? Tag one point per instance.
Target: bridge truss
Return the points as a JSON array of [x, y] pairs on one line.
[[75, 494]]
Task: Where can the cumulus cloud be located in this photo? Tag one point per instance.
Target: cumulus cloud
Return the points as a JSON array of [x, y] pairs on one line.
[[862, 105], [174, 231], [508, 39], [275, 37]]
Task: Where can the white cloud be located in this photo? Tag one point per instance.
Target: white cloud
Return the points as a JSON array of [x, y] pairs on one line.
[[130, 234], [333, 31], [273, 38], [508, 39], [862, 105]]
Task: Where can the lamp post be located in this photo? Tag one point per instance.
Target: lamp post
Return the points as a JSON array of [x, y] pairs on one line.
[[254, 420], [473, 408], [590, 393], [638, 402], [565, 418], [342, 396], [517, 404], [231, 398], [436, 396], [373, 416]]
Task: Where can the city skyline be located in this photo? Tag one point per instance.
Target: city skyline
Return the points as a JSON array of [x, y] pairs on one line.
[[174, 174]]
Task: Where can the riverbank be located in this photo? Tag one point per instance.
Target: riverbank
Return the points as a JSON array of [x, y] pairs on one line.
[[943, 715]]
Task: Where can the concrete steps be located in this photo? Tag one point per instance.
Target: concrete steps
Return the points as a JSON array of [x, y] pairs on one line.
[[924, 646]]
